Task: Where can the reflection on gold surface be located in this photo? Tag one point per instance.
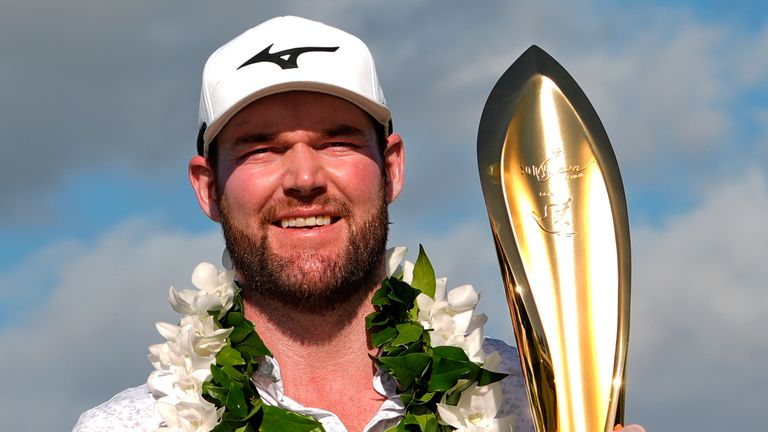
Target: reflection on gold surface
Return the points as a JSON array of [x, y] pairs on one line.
[[558, 216]]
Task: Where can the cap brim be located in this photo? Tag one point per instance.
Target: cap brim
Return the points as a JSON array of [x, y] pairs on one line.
[[378, 111]]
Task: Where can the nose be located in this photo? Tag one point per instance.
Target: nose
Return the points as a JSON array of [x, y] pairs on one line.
[[305, 176]]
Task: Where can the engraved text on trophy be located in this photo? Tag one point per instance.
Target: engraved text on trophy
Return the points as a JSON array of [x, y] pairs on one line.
[[555, 213]]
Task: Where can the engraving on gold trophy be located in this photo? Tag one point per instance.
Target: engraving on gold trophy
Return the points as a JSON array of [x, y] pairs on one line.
[[558, 216]]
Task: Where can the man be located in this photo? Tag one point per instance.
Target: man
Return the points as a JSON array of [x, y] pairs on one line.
[[298, 162]]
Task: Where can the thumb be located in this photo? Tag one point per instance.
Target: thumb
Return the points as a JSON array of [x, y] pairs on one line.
[[633, 428]]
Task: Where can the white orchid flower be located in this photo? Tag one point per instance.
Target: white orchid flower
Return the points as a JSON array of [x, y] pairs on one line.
[[163, 356], [213, 281], [183, 362], [408, 272], [178, 382], [182, 301], [214, 291], [451, 317], [193, 414], [476, 410], [200, 336], [394, 257]]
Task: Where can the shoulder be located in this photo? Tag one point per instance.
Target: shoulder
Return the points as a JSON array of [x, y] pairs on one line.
[[514, 396], [129, 410]]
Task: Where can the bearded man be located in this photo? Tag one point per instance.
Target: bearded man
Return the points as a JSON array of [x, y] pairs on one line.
[[298, 163]]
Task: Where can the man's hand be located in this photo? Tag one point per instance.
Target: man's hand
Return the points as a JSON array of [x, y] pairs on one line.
[[629, 428]]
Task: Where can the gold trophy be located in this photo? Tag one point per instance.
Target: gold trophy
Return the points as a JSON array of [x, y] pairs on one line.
[[559, 220]]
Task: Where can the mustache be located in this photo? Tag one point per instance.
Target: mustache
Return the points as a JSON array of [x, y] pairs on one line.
[[337, 206]]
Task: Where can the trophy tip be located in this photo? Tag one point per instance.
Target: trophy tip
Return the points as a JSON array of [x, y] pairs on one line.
[[534, 49], [537, 58]]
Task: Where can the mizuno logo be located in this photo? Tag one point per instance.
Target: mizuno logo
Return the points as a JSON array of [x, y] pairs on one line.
[[286, 59]]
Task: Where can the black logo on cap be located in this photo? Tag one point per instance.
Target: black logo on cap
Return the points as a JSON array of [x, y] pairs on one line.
[[286, 59]]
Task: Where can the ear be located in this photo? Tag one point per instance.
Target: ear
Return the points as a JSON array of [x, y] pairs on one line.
[[203, 182], [394, 166]]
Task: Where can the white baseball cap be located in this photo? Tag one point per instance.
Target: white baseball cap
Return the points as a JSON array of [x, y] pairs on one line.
[[285, 54]]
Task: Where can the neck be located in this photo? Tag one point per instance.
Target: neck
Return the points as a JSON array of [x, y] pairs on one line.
[[293, 334], [324, 357]]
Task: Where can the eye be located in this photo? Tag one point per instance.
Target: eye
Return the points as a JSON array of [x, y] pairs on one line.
[[255, 152], [260, 152], [341, 145]]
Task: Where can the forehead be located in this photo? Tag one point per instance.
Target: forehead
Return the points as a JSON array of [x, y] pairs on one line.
[[296, 110]]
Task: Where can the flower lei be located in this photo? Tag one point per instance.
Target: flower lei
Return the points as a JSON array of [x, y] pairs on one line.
[[429, 340]]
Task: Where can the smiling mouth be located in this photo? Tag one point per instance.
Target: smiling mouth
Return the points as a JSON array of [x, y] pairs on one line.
[[306, 222]]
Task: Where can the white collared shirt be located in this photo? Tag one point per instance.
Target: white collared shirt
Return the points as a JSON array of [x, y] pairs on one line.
[[132, 409]]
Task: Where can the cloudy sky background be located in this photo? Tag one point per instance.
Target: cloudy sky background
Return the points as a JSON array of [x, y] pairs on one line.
[[97, 219]]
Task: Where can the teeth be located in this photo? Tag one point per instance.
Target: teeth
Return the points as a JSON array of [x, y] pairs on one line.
[[305, 222]]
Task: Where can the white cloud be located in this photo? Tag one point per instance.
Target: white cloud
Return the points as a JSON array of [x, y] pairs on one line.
[[88, 339], [666, 92], [698, 339]]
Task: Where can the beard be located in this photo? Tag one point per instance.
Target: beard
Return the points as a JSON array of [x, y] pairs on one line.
[[304, 280]]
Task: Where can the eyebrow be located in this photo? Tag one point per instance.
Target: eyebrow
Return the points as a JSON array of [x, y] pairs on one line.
[[344, 130], [335, 131], [255, 138]]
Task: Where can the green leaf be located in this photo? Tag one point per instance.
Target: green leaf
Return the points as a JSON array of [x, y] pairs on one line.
[[229, 357], [375, 319], [254, 346], [380, 338], [414, 348], [423, 399], [407, 333], [410, 419], [489, 377], [427, 421], [450, 352], [279, 420], [235, 402], [424, 274], [449, 365], [380, 297], [258, 404], [406, 368], [403, 293], [446, 373], [405, 398], [241, 327], [234, 374], [453, 395], [219, 376], [236, 319], [240, 333], [225, 426], [218, 393]]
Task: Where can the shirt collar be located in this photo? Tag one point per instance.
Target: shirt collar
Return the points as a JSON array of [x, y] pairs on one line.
[[270, 386]]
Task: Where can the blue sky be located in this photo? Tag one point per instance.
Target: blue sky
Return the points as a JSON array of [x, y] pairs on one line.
[[98, 218]]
